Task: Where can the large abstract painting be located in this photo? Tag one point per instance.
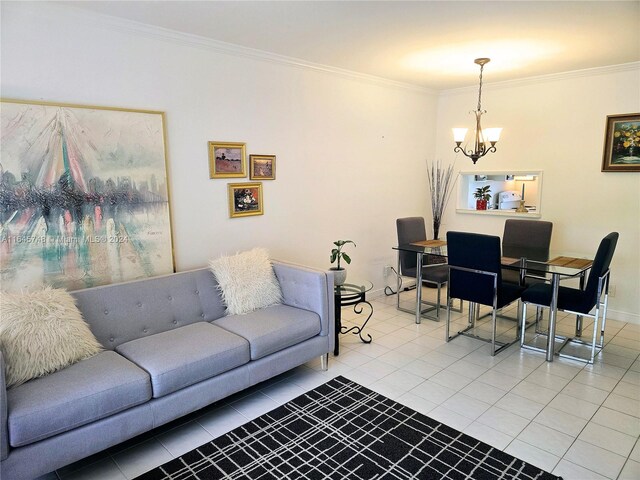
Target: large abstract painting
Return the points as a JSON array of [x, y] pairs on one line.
[[84, 197]]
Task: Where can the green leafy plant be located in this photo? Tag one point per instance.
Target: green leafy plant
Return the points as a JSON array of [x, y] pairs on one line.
[[483, 193], [337, 253]]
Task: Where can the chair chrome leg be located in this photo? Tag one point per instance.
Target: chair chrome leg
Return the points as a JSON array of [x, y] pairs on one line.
[[538, 318], [324, 362], [472, 314], [604, 314], [493, 333], [578, 325], [595, 332], [448, 321], [523, 323]]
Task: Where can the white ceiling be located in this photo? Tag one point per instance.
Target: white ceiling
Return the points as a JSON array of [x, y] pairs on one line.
[[427, 43]]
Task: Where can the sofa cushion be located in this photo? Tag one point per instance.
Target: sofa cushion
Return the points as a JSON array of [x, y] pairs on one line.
[[246, 281], [40, 332], [86, 391], [185, 356], [273, 328]]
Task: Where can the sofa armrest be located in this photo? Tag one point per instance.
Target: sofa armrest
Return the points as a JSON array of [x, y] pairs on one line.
[[309, 289], [4, 428]]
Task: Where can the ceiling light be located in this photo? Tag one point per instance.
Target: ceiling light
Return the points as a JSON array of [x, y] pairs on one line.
[[482, 137]]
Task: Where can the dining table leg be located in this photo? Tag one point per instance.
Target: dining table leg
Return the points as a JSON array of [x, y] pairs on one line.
[[419, 288], [553, 311]]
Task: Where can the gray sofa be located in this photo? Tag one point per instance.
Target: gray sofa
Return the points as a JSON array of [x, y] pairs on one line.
[[169, 350]]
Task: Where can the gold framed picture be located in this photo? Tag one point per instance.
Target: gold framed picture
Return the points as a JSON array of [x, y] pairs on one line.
[[84, 194], [245, 199], [262, 167], [622, 143], [226, 160]]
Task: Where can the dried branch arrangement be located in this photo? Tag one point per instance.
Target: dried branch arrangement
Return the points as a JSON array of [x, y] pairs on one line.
[[441, 182]]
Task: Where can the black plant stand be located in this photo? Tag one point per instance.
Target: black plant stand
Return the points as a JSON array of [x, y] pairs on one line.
[[346, 295]]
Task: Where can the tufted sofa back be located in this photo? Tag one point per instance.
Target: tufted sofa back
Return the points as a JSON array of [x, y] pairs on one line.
[[123, 312]]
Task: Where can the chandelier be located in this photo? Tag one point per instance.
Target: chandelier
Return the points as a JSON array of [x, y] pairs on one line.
[[482, 137]]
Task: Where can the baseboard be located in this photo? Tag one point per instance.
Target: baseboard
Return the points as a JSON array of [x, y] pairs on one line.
[[623, 316], [377, 293]]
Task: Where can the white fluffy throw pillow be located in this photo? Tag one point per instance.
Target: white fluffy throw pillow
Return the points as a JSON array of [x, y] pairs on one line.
[[247, 281], [41, 332]]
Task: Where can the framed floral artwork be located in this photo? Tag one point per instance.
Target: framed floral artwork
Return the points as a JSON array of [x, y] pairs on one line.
[[622, 143], [226, 160], [262, 167], [245, 199]]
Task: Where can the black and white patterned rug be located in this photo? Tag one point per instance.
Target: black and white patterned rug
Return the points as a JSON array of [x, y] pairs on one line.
[[342, 430]]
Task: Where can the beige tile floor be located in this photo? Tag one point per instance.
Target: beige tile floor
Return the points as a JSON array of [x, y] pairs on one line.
[[575, 420]]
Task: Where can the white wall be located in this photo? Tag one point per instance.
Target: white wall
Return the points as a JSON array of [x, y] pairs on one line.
[[556, 124], [350, 152]]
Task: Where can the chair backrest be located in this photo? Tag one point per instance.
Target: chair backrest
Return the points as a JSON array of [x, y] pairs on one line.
[[601, 264], [478, 252], [410, 229], [527, 238]]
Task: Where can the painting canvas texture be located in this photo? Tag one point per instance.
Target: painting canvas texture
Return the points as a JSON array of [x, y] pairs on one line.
[[246, 200], [83, 196], [228, 160], [626, 143]]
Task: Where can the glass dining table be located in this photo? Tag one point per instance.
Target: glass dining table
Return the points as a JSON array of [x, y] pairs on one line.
[[542, 263]]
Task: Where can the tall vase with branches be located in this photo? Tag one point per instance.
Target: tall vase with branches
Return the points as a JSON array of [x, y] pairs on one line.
[[441, 182]]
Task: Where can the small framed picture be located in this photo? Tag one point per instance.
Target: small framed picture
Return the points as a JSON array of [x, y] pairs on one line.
[[245, 199], [622, 143], [262, 167], [226, 160]]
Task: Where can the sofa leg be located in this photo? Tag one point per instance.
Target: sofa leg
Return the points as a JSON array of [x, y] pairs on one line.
[[324, 362]]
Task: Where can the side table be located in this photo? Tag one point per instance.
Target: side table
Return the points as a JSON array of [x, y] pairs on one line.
[[353, 293]]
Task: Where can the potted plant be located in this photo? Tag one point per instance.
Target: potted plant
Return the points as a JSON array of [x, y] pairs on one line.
[[482, 196], [337, 254]]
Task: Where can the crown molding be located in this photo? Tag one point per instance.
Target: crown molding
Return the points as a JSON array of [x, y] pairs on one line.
[[132, 27], [552, 77], [197, 41]]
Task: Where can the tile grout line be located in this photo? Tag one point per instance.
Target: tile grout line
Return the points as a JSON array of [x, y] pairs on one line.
[[594, 414], [583, 368], [588, 421], [629, 457]]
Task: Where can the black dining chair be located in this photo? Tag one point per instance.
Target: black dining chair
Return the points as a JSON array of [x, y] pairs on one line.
[[579, 301], [410, 230], [475, 275], [530, 239]]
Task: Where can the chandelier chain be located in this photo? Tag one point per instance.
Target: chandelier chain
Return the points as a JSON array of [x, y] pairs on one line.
[[480, 89]]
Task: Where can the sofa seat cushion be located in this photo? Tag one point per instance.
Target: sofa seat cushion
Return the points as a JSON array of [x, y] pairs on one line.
[[187, 355], [84, 392], [273, 328]]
